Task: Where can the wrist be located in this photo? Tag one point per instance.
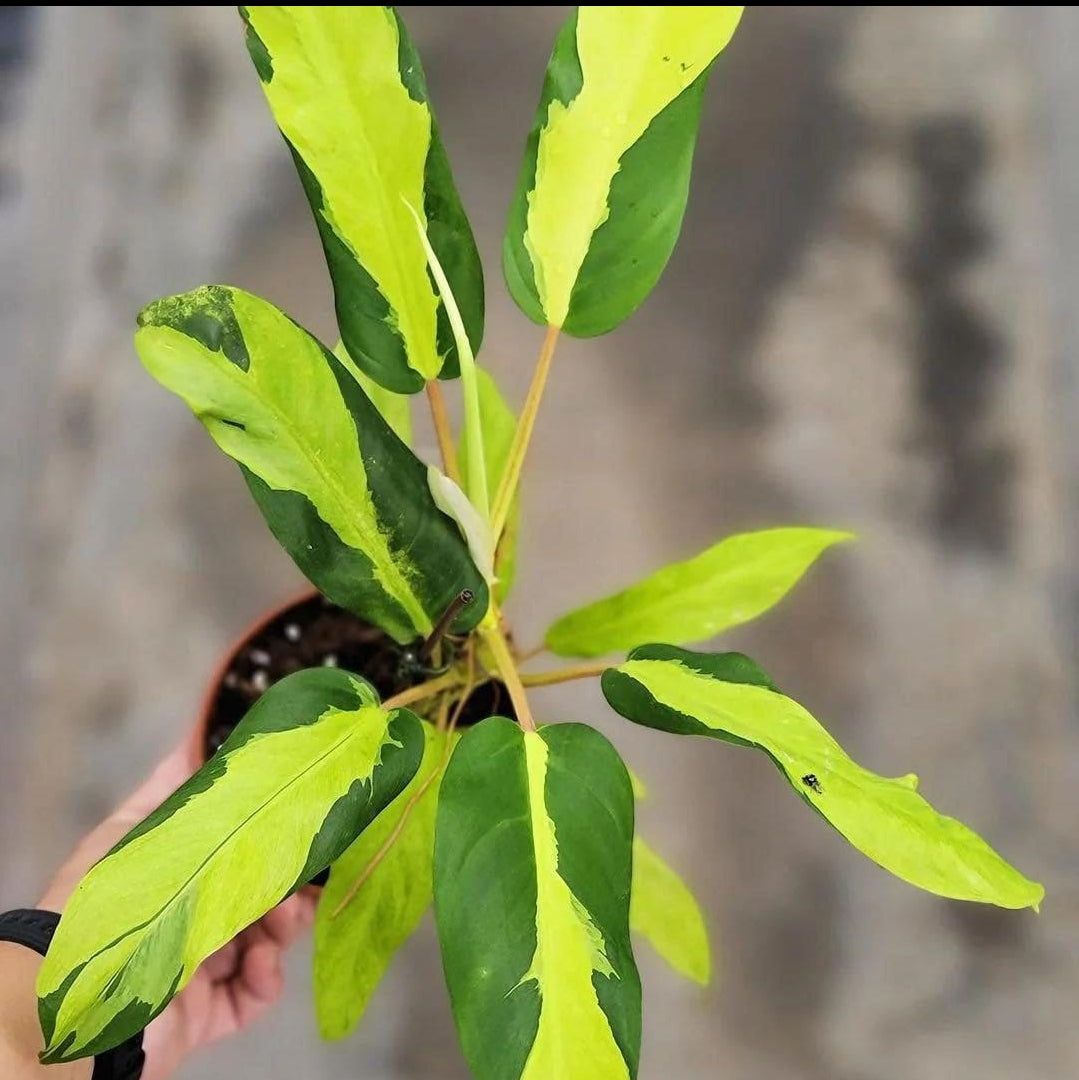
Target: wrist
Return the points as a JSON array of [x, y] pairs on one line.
[[20, 1035]]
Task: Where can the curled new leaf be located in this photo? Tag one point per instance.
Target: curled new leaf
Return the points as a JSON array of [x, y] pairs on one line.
[[726, 696], [603, 187], [533, 849], [348, 92], [308, 768], [732, 582], [498, 424], [344, 496]]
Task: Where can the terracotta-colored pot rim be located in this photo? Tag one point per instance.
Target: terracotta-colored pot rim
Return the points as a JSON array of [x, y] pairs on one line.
[[197, 748]]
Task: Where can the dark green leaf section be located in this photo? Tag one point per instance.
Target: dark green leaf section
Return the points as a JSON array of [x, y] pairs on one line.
[[630, 699], [533, 854], [726, 696], [562, 83], [648, 199], [485, 877], [448, 228], [364, 318]]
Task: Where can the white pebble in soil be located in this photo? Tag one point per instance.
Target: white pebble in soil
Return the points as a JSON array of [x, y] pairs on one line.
[[260, 680], [259, 657], [292, 631], [329, 660]]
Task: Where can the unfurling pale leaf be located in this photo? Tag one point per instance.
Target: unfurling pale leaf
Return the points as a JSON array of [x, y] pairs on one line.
[[347, 91], [726, 696], [343, 495], [353, 949], [603, 186], [667, 915], [732, 582], [309, 767], [498, 424], [476, 530], [533, 850]]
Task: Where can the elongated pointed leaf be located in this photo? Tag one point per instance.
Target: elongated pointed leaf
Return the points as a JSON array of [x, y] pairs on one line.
[[533, 848], [665, 912], [498, 424], [603, 187], [344, 496], [394, 408], [354, 949], [347, 91], [307, 769], [732, 582], [726, 696]]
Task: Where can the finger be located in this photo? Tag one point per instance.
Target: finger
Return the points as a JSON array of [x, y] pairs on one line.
[[286, 922], [223, 964], [258, 984], [178, 1030]]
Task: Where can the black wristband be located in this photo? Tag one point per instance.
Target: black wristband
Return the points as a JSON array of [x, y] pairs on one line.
[[34, 929]]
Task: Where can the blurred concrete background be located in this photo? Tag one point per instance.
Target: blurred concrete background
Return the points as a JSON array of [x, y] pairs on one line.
[[870, 322]]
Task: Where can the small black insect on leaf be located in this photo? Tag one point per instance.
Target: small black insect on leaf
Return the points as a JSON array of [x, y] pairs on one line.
[[810, 780]]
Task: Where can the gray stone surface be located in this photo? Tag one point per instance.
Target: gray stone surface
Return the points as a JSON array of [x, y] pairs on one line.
[[869, 322]]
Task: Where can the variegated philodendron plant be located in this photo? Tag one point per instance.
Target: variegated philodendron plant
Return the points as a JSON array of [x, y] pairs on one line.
[[521, 833]]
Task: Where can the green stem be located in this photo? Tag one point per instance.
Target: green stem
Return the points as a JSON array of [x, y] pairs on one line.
[[495, 641], [566, 674], [423, 691], [441, 423]]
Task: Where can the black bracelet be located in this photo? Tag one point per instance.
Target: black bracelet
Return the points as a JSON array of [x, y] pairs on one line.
[[34, 929]]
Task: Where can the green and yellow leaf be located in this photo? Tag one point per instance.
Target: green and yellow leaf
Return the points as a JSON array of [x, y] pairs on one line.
[[347, 90], [726, 696], [533, 853], [729, 584], [498, 424], [343, 495], [313, 762], [603, 187], [665, 913], [394, 408], [354, 948]]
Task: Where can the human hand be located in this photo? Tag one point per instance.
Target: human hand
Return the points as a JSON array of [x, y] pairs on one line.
[[236, 985]]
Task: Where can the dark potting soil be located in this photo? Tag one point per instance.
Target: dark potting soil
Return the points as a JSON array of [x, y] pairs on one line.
[[312, 633]]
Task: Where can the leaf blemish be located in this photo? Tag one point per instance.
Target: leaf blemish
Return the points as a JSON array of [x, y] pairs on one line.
[[810, 780]]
